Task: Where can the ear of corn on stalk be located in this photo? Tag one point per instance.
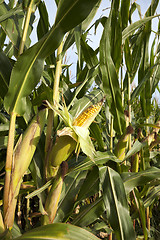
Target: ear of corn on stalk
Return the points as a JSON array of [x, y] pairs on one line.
[[61, 150], [22, 158], [69, 137], [122, 143], [135, 162], [66, 142], [54, 194]]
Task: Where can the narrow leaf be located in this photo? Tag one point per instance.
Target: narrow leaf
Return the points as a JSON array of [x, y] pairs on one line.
[[71, 186], [100, 159], [132, 180], [10, 13], [110, 81], [152, 195], [116, 205], [90, 213], [5, 72], [134, 26]]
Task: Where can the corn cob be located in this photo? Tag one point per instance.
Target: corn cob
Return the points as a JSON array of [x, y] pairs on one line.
[[65, 144], [122, 143], [22, 158], [88, 115]]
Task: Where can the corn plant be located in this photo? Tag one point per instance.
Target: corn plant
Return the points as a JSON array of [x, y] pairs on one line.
[[79, 160]]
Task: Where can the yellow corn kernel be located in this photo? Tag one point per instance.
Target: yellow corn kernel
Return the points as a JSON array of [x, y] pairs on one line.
[[88, 115]]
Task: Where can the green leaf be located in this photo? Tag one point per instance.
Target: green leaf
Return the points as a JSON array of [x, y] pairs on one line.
[[90, 57], [16, 231], [4, 127], [85, 141], [141, 85], [128, 56], [152, 195], [70, 38], [41, 189], [29, 66], [115, 34], [10, 13], [141, 211], [88, 76], [137, 146], [57, 231], [134, 6], [132, 180], [116, 205], [134, 26], [155, 76], [43, 24], [90, 213], [96, 132], [125, 12], [77, 34], [71, 186], [100, 158], [5, 72], [90, 185], [13, 26], [90, 17], [89, 54], [3, 142], [110, 81]]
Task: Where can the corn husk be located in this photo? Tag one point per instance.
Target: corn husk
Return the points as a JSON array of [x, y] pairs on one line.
[[64, 146], [22, 157], [120, 148], [54, 194]]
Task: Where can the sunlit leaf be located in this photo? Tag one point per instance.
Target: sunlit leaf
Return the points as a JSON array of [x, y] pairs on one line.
[[57, 231], [134, 26], [115, 201], [132, 180]]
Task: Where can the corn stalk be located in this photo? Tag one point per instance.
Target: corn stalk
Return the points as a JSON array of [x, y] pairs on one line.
[[52, 117], [10, 145]]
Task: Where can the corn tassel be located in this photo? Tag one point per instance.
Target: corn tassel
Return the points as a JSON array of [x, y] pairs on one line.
[[122, 144], [22, 158]]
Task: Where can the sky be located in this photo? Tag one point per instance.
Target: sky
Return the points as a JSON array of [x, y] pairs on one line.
[[93, 39]]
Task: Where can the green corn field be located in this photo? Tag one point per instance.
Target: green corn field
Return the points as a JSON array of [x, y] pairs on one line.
[[80, 158]]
